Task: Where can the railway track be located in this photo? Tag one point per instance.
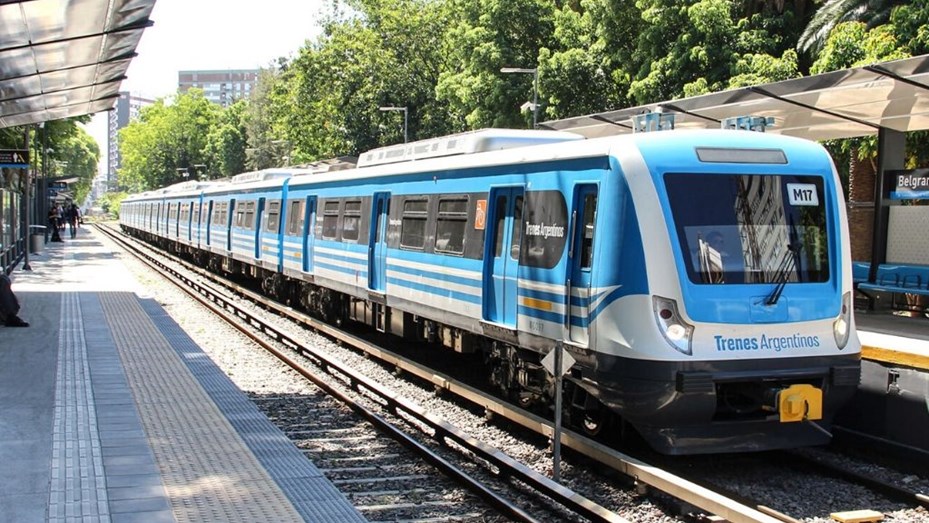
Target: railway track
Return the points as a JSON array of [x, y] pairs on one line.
[[729, 504]]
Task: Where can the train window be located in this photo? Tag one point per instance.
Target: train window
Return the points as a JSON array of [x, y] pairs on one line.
[[498, 225], [250, 215], [331, 220], [543, 229], [450, 225], [185, 213], [351, 220], [195, 216], [274, 216], [240, 215], [587, 234], [413, 225], [294, 217], [736, 229], [517, 227]]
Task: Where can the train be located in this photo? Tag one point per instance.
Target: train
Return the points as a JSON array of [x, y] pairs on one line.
[[699, 280]]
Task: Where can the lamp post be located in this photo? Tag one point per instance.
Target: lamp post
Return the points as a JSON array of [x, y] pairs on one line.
[[535, 89], [405, 122]]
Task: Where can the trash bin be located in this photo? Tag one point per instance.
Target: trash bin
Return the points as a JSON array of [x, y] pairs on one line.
[[36, 238]]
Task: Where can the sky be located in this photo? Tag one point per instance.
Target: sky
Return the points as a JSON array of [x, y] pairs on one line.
[[212, 34]]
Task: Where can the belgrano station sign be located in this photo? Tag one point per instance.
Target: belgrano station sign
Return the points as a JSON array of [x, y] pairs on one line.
[[910, 184]]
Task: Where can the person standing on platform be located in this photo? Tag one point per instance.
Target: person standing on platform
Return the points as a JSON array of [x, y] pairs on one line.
[[71, 218], [9, 305], [53, 223]]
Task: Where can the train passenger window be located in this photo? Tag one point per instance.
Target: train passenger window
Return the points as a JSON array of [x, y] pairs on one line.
[[450, 225], [587, 234], [498, 226], [351, 220], [250, 215], [240, 215], [331, 220], [413, 225], [195, 216], [517, 227], [274, 216], [295, 217]]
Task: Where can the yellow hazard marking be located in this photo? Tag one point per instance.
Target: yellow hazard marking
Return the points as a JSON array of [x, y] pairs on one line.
[[906, 359], [537, 304], [800, 402], [857, 516]]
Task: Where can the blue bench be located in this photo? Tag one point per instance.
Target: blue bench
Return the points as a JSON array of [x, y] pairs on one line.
[[891, 278]]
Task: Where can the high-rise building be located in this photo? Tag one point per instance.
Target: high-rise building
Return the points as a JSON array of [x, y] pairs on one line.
[[127, 108], [223, 87]]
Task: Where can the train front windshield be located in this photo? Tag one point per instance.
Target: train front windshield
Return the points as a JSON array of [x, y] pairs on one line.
[[743, 229]]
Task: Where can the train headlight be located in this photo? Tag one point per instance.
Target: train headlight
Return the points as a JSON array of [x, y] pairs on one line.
[[842, 325], [677, 332]]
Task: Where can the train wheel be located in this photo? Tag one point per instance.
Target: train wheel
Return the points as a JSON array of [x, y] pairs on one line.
[[593, 422]]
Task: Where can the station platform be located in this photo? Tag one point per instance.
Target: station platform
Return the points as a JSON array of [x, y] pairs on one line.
[[110, 412]]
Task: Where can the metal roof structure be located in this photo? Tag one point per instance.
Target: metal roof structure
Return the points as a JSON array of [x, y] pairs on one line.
[[65, 58], [840, 104]]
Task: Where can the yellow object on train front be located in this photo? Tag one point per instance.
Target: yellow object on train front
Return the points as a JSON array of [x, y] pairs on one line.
[[800, 402]]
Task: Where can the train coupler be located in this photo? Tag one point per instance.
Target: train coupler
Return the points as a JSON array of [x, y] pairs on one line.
[[798, 402]]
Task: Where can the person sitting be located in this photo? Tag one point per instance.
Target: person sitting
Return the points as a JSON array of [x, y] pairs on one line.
[[9, 305]]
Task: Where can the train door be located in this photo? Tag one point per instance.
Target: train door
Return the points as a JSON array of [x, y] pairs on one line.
[[258, 216], [580, 259], [230, 214], [377, 242], [209, 223], [309, 233], [501, 254]]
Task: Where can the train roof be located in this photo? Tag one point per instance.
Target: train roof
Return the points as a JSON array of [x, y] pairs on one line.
[[484, 140]]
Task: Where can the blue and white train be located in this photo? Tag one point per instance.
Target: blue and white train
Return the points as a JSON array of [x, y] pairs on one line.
[[701, 280]]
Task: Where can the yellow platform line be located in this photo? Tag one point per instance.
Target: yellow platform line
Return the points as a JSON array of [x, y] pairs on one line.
[[895, 357]]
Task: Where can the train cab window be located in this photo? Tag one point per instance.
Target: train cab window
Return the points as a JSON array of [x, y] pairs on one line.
[[274, 216], [331, 220], [413, 224], [351, 220], [294, 217], [741, 229], [450, 225]]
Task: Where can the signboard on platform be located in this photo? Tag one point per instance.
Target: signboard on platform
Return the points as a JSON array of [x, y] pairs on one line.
[[911, 184], [14, 158]]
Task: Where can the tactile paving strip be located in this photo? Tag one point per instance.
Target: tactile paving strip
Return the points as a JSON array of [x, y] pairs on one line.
[[238, 476], [78, 485]]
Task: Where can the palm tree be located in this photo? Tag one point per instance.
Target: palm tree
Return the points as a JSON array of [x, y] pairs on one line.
[[833, 12]]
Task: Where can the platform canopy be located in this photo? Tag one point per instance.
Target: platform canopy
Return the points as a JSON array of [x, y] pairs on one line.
[[840, 104], [65, 58]]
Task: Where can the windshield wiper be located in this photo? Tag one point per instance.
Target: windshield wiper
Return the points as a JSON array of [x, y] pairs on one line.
[[783, 272]]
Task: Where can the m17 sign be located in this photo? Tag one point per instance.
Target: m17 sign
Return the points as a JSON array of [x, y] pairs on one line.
[[14, 157]]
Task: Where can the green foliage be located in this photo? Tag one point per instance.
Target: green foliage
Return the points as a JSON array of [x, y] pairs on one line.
[[166, 139], [110, 201], [487, 36]]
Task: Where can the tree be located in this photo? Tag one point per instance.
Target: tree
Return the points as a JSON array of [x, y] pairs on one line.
[[489, 35], [385, 54], [871, 13], [166, 140], [225, 143]]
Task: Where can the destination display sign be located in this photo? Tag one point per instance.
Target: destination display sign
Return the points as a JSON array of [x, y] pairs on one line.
[[14, 157], [912, 184]]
